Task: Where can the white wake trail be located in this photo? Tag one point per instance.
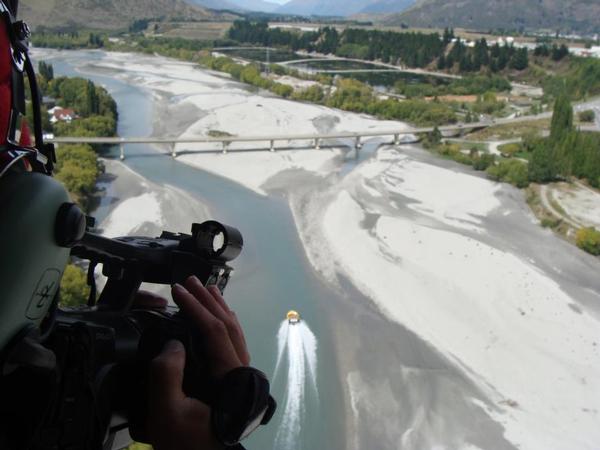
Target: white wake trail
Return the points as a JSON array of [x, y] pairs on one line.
[[300, 345], [282, 336]]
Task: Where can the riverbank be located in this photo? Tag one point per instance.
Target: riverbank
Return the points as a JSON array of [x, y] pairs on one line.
[[460, 262]]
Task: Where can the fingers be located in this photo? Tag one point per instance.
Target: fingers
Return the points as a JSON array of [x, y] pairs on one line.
[[219, 344], [165, 380], [240, 341], [212, 300], [206, 297]]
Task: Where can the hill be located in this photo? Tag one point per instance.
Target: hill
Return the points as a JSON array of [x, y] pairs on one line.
[[237, 5], [256, 5], [387, 6], [343, 7], [574, 15], [215, 4], [105, 14]]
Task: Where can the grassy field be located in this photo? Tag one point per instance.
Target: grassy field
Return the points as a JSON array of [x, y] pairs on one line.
[[511, 131], [191, 30]]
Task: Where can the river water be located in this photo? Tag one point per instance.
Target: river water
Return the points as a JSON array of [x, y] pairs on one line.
[[272, 276]]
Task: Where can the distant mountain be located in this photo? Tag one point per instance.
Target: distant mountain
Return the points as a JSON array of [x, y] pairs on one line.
[[388, 6], [575, 15], [257, 5], [237, 5], [215, 4], [105, 14], [343, 7]]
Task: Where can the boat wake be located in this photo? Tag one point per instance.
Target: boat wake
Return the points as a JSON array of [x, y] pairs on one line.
[[298, 345]]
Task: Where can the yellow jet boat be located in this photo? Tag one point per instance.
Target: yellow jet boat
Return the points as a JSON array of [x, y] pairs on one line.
[[293, 317]]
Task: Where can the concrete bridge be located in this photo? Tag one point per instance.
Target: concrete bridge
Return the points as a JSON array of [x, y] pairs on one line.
[[315, 141]]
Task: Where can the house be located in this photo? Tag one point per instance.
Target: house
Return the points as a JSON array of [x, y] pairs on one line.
[[59, 114]]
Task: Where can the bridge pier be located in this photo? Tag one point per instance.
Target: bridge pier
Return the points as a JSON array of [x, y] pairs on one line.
[[272, 146], [122, 148], [173, 151], [318, 144], [396, 140], [225, 147]]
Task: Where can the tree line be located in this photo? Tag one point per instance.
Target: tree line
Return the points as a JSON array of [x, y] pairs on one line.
[[406, 48], [411, 49], [496, 58], [67, 40]]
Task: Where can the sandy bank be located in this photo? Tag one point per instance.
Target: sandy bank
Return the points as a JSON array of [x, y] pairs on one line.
[[143, 208], [421, 248]]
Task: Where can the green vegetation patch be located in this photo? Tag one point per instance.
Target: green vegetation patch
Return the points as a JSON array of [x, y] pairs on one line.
[[580, 80], [587, 116], [588, 239], [510, 171], [512, 131], [511, 149], [74, 290], [469, 85], [219, 133]]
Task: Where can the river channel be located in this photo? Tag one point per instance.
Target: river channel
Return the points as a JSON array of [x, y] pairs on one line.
[[272, 275]]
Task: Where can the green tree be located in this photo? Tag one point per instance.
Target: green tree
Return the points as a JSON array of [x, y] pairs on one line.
[[46, 70], [520, 60], [78, 169], [441, 62], [562, 118], [484, 161], [436, 136], [541, 164], [283, 90], [74, 290]]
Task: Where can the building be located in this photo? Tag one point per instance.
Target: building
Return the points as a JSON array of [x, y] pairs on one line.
[[59, 114]]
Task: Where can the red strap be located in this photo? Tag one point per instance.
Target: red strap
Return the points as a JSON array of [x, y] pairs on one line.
[[25, 139], [5, 81]]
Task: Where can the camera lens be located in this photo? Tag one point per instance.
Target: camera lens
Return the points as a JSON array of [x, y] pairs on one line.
[[218, 242]]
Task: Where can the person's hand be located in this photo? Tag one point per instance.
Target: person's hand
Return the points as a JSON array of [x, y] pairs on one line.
[[177, 422]]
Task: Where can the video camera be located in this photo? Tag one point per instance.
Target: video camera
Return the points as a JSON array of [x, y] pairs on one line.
[[76, 378]]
